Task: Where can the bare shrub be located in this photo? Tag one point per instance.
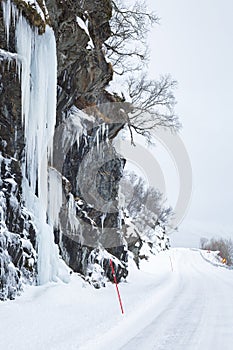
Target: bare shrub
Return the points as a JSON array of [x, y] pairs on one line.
[[223, 245]]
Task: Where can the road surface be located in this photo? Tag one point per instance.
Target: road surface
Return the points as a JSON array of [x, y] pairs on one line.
[[196, 314]]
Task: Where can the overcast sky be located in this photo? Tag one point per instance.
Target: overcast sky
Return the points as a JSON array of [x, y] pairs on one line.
[[194, 43]]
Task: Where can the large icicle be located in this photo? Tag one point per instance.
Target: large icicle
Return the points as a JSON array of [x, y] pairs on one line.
[[38, 66], [6, 7], [54, 196], [38, 81]]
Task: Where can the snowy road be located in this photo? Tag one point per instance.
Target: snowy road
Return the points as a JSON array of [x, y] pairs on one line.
[[196, 314], [200, 313], [189, 308]]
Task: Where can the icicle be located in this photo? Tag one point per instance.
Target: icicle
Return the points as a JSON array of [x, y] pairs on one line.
[[2, 212], [85, 140], [77, 140], [1, 158], [120, 218], [38, 83], [103, 217], [97, 140], [24, 43], [2, 204], [37, 66], [15, 13], [54, 197], [6, 7], [107, 133], [103, 130], [73, 221]]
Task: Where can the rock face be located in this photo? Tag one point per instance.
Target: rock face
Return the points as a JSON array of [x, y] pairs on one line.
[[17, 232], [83, 73], [70, 205], [17, 235], [89, 231]]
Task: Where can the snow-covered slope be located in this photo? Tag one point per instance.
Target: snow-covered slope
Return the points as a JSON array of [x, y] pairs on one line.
[[177, 301]]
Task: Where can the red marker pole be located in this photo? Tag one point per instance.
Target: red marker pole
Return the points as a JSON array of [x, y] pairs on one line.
[[115, 280]]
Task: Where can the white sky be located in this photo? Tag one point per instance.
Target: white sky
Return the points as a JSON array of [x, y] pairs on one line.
[[194, 43]]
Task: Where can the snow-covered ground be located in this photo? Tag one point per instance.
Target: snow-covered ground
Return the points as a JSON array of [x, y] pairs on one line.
[[178, 300]]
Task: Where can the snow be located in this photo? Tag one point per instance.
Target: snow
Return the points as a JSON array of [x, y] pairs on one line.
[[26, 244], [6, 55], [38, 8], [84, 26], [214, 258], [181, 299], [188, 308]]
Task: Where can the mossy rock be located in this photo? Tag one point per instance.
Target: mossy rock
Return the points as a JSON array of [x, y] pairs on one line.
[[33, 17]]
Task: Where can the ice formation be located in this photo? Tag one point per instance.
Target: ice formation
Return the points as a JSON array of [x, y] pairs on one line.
[[37, 64]]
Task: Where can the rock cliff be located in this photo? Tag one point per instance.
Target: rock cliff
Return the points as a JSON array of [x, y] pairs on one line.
[[60, 173], [87, 234]]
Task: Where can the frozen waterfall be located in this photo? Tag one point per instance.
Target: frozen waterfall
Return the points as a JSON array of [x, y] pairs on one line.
[[37, 66]]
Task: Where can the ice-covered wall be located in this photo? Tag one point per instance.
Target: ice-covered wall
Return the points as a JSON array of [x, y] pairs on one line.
[[37, 68], [82, 74]]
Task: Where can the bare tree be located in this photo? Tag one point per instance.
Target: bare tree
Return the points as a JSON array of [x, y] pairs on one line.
[[143, 198], [126, 48], [153, 105], [147, 215], [203, 242], [152, 102]]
